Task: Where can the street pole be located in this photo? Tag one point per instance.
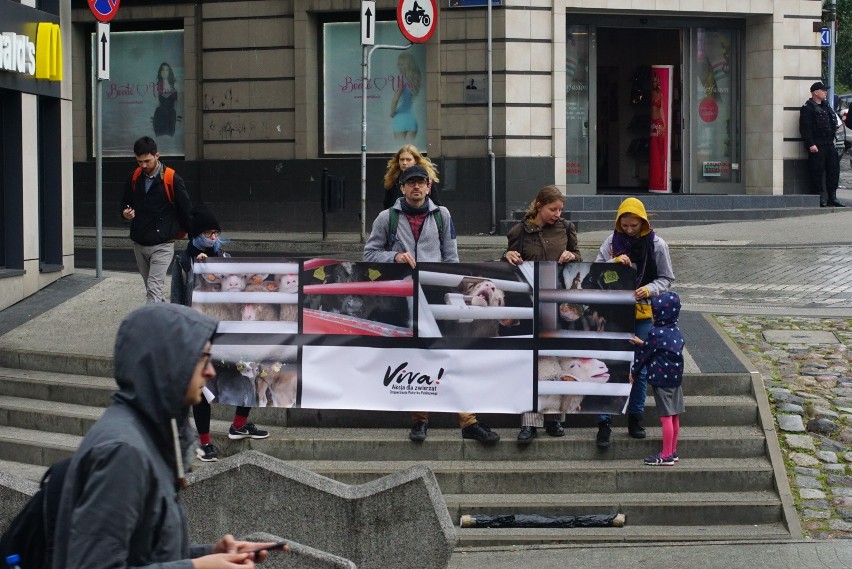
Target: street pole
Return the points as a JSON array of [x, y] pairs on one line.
[[99, 151], [831, 52], [364, 78]]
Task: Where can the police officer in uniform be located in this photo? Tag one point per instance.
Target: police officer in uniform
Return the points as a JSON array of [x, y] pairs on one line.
[[817, 123]]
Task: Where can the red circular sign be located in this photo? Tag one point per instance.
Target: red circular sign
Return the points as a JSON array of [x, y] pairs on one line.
[[708, 110], [417, 22], [104, 10]]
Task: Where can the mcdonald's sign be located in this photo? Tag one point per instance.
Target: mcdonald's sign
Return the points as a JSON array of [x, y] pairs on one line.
[[30, 50]]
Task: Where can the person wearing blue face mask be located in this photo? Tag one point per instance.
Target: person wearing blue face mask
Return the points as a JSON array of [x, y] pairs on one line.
[[205, 241]]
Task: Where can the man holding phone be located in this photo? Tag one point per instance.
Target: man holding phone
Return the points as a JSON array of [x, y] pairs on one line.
[[121, 504]]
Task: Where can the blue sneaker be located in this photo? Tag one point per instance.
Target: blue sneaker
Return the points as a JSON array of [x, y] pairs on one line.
[[658, 460], [674, 457]]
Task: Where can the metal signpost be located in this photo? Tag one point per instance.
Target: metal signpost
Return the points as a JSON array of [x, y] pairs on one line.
[[417, 23], [104, 11]]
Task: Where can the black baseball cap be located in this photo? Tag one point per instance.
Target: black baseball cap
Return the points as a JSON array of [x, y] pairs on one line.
[[818, 85], [414, 172]]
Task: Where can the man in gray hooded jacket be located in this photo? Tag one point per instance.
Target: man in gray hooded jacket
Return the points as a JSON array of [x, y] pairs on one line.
[[121, 504]]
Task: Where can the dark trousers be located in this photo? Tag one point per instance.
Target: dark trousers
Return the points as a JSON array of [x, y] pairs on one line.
[[825, 162]]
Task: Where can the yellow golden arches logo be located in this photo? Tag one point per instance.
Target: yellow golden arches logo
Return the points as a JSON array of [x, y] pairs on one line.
[[48, 52]]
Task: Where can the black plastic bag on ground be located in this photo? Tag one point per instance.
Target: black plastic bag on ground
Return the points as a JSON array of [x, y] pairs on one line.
[[537, 521]]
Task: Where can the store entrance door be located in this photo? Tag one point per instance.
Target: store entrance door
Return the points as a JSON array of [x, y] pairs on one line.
[[624, 60]]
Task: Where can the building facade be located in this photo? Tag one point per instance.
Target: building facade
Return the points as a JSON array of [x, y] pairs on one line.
[[251, 100], [36, 197]]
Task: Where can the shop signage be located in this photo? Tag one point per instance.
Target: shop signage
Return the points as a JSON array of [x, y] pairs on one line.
[[42, 58], [30, 50]]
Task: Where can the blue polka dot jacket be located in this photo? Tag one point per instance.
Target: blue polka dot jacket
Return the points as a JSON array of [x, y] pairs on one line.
[[662, 352]]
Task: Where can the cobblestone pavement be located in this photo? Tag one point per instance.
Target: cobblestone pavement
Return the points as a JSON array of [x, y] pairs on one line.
[[807, 371]]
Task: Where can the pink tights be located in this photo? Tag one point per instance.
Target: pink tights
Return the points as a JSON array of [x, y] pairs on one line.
[[671, 426]]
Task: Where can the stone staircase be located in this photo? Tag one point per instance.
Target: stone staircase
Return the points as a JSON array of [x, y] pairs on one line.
[[725, 486]]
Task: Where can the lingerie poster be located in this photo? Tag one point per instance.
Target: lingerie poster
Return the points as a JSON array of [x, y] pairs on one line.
[[327, 334], [396, 91], [659, 148]]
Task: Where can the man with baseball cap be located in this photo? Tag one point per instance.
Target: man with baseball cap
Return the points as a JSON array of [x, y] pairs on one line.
[[423, 232], [817, 124]]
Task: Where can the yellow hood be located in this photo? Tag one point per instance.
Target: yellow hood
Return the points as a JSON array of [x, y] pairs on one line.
[[637, 208]]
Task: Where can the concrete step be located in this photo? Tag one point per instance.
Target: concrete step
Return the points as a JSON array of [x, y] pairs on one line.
[[567, 476], [55, 362], [447, 445], [49, 416], [57, 387], [23, 470], [702, 410], [647, 508], [36, 447], [475, 537]]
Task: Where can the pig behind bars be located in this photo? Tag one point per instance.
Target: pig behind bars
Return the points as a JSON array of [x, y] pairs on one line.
[[288, 283], [257, 311], [483, 293], [219, 311]]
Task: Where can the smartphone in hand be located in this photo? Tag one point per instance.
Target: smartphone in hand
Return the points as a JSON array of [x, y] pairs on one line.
[[280, 545]]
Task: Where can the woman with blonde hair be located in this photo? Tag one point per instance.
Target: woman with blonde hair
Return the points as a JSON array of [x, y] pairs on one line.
[[402, 105], [404, 158], [543, 235]]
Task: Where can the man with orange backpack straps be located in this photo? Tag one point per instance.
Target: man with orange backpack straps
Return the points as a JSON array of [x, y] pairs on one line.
[[158, 207]]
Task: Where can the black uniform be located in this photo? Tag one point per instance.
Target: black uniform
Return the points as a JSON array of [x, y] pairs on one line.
[[817, 124]]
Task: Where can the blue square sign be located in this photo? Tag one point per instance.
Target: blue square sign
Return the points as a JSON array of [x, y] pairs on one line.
[[825, 37]]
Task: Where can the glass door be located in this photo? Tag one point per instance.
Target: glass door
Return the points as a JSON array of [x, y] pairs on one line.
[[580, 107], [712, 111]]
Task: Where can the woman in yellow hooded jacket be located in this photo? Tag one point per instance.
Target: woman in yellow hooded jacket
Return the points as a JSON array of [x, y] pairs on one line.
[[635, 243]]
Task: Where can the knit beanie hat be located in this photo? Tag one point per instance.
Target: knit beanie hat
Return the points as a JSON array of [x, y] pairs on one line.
[[203, 220]]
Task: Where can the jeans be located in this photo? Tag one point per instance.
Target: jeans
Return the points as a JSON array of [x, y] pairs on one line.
[[639, 389]]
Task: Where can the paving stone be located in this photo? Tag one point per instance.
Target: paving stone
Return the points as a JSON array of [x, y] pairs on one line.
[[845, 435], [802, 459], [791, 423], [835, 480], [845, 514], [800, 337], [848, 456], [811, 494], [823, 413], [817, 504], [826, 456], [807, 471], [800, 441], [808, 482], [791, 408], [822, 425], [779, 394], [840, 525], [834, 446], [837, 491], [838, 468], [841, 502], [816, 514]]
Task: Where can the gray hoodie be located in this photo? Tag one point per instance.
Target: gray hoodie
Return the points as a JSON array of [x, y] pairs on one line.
[[120, 504]]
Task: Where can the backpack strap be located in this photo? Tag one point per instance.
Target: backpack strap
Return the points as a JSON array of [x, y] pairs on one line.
[[168, 181], [393, 224]]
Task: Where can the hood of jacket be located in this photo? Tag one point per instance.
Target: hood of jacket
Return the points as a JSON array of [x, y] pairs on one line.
[[666, 309], [637, 208], [156, 350]]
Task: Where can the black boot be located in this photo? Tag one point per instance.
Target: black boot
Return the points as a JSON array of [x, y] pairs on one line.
[[634, 426], [832, 200], [602, 440]]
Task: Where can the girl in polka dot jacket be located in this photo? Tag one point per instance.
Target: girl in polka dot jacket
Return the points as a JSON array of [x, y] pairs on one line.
[[662, 354]]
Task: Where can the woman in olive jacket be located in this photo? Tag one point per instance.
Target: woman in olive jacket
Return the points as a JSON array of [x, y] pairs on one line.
[[543, 236]]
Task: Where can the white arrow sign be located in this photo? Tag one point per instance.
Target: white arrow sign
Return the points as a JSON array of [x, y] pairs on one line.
[[368, 23], [102, 45]]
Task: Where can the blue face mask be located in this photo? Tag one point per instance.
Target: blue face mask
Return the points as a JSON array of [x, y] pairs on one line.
[[202, 242]]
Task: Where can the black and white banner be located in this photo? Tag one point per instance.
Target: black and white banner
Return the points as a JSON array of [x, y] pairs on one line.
[[483, 337]]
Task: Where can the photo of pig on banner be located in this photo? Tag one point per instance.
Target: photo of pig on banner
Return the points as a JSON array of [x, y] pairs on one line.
[[327, 334]]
